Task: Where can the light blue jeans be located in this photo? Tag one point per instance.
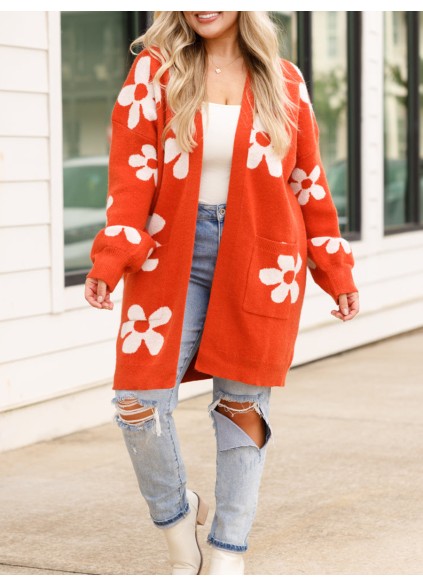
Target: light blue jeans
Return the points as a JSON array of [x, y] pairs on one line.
[[152, 442]]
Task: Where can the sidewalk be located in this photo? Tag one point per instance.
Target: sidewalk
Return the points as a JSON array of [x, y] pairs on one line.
[[342, 491]]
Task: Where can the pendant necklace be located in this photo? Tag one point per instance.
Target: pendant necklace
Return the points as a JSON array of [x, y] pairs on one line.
[[219, 69]]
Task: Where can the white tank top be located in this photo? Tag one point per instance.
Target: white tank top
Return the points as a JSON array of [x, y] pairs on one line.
[[218, 142]]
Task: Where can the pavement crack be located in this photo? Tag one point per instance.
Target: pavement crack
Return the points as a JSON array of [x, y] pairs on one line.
[[48, 569]]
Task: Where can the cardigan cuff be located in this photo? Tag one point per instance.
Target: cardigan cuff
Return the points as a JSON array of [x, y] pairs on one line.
[[342, 281], [109, 267], [110, 263], [336, 281]]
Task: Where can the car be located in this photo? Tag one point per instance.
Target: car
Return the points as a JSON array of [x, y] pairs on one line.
[[85, 184]]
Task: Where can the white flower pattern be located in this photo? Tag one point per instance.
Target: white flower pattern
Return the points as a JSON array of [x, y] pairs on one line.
[[306, 186], [155, 224], [273, 276], [146, 163], [173, 152], [132, 234], [304, 95], [109, 203], [260, 146], [139, 328], [297, 69], [142, 95], [333, 244]]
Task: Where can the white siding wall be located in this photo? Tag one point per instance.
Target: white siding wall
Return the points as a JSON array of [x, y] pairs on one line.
[[57, 353], [55, 361]]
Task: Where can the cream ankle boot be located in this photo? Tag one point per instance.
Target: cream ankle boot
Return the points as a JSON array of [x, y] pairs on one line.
[[184, 552], [226, 562]]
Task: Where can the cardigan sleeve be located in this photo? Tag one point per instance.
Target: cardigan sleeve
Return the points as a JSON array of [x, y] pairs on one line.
[[123, 244], [329, 256]]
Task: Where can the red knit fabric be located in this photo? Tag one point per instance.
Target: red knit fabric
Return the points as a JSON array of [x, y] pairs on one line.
[[280, 219]]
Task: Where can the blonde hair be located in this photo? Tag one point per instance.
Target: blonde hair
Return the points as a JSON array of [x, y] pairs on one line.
[[183, 50]]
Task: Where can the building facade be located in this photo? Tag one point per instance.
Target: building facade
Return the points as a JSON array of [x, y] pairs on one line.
[[60, 75]]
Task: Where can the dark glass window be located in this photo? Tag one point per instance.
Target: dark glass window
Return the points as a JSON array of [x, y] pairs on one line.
[[95, 62], [327, 46], [403, 111], [330, 101], [288, 33], [395, 117], [420, 106]]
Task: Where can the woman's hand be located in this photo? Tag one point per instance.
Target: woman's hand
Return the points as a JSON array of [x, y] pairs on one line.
[[97, 294], [348, 306]]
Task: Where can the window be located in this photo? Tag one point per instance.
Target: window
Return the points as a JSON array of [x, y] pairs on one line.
[[288, 33], [328, 46], [335, 72], [330, 90], [333, 34], [420, 107], [95, 62], [403, 105], [395, 118]]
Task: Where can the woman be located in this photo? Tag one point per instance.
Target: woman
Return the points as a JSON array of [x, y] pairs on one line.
[[211, 128]]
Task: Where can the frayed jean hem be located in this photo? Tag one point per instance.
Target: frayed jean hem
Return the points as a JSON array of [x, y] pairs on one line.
[[227, 546], [174, 520]]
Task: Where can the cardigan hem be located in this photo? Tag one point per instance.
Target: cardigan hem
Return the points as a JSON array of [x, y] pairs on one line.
[[271, 375], [123, 382]]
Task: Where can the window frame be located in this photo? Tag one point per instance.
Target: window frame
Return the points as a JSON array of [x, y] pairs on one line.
[[413, 220], [354, 67]]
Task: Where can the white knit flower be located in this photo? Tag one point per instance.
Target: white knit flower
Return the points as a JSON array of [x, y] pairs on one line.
[[173, 152], [155, 223], [140, 328], [146, 163], [304, 95], [260, 146], [141, 95], [132, 234], [306, 185], [298, 70], [109, 203], [333, 244], [283, 277]]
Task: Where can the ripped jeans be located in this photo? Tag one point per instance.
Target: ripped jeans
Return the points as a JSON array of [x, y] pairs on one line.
[[150, 435]]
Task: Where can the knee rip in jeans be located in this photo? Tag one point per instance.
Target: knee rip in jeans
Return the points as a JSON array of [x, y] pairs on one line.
[[133, 415], [245, 415]]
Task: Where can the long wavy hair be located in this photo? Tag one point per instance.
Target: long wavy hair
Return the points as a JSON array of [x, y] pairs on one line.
[[183, 52]]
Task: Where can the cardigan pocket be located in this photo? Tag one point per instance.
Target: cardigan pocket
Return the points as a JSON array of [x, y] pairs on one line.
[[271, 287]]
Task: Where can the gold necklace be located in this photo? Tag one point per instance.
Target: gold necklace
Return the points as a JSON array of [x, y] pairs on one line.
[[219, 69]]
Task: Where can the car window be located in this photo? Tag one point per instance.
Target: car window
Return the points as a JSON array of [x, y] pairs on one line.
[[85, 186]]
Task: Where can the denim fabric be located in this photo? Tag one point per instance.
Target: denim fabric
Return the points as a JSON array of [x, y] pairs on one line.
[[153, 444]]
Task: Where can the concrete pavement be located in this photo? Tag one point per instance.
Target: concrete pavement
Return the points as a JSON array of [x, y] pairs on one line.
[[342, 491]]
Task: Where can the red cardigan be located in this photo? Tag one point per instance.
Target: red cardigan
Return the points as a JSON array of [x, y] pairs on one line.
[[280, 219]]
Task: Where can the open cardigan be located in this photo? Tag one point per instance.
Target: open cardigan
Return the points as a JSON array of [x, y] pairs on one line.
[[280, 220]]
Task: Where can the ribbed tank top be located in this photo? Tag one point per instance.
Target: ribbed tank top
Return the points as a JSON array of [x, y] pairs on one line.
[[218, 140]]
